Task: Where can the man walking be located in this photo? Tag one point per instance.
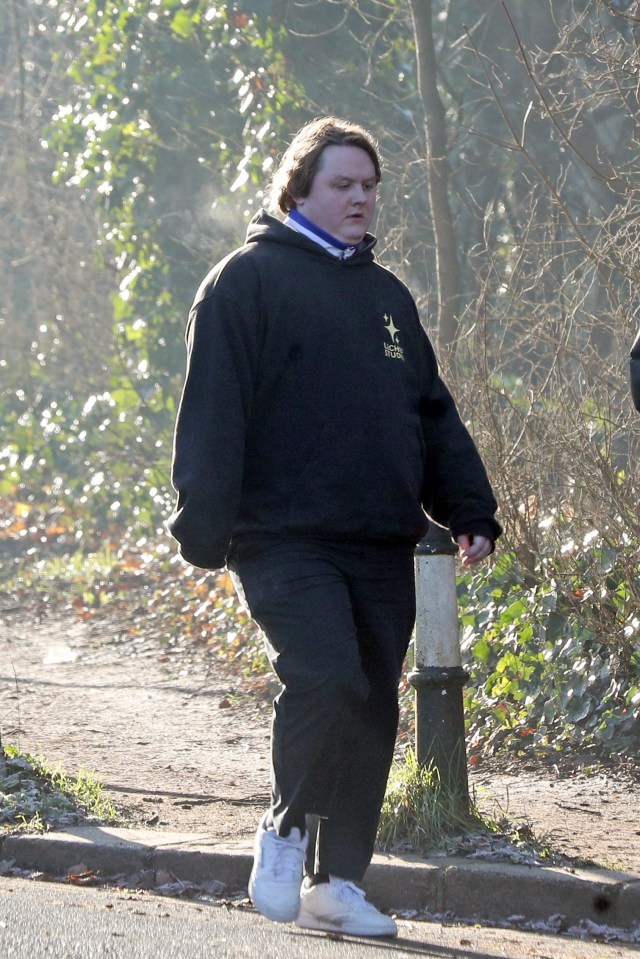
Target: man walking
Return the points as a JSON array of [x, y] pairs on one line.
[[313, 438]]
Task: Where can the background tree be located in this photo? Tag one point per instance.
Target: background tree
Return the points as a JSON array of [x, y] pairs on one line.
[[55, 322], [446, 260]]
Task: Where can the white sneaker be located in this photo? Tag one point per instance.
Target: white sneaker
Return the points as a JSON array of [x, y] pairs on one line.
[[276, 877], [339, 906]]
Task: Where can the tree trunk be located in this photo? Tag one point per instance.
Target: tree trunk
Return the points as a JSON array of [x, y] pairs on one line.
[[447, 268]]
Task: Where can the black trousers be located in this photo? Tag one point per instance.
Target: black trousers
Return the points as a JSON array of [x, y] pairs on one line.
[[337, 619]]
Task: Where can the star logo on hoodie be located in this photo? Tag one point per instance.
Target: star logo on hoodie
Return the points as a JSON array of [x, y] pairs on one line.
[[394, 351]]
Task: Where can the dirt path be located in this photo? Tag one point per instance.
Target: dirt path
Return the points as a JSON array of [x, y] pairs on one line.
[[177, 751], [189, 752]]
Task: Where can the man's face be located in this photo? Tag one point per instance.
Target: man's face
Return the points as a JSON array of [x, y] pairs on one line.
[[342, 199]]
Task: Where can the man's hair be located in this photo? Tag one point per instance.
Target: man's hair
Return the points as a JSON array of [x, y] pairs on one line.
[[301, 160]]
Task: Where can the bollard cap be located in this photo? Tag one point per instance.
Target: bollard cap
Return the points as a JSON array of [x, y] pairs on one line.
[[437, 542]]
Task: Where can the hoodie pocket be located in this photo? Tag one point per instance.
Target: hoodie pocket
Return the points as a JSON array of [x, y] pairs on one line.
[[360, 479]]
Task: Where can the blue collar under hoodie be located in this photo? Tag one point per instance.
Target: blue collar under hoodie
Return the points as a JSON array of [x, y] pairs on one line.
[[302, 224]]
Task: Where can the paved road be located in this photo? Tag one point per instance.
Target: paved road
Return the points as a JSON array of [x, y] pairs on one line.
[[49, 921]]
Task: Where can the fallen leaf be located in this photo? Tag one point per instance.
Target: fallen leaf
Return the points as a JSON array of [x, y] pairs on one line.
[[88, 878]]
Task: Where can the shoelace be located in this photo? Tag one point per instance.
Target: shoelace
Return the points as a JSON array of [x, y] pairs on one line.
[[285, 858], [349, 891]]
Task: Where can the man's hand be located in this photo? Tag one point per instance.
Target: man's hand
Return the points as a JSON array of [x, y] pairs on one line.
[[473, 549]]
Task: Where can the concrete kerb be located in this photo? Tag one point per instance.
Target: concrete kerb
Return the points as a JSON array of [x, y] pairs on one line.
[[499, 891], [465, 889]]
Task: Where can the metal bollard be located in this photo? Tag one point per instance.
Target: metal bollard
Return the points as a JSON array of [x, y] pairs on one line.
[[438, 676]]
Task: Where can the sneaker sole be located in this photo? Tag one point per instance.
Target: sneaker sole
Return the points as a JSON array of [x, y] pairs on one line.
[[348, 928], [265, 908]]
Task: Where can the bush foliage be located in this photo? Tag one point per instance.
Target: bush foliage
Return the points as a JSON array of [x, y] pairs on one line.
[[552, 656]]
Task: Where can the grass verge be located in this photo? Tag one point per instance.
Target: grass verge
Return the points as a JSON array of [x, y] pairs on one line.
[[37, 796], [419, 811], [422, 815]]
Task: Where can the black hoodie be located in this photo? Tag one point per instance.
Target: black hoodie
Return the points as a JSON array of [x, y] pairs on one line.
[[313, 408]]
